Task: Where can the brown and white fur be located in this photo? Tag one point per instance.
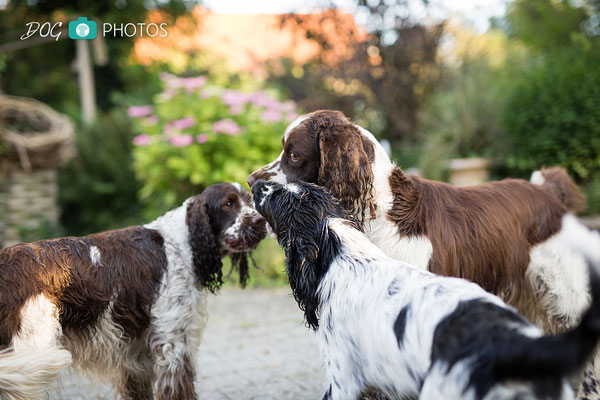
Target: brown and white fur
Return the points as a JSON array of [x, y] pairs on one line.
[[501, 235], [127, 305]]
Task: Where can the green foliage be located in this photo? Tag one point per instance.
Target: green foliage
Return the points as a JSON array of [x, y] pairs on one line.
[[44, 71], [461, 119], [591, 192], [98, 189], [553, 114], [545, 24], [32, 72], [195, 135], [40, 230], [540, 105]]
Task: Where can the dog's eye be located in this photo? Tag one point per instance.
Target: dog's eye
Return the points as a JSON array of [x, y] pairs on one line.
[[228, 204], [294, 157]]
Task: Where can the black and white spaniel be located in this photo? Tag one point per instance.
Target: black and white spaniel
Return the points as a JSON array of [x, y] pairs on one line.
[[387, 325], [500, 235], [128, 305]]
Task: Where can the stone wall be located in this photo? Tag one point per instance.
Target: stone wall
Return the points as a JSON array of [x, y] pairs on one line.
[[29, 204]]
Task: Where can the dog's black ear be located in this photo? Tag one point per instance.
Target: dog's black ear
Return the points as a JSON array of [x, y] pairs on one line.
[[346, 157], [205, 251], [308, 259], [239, 261]]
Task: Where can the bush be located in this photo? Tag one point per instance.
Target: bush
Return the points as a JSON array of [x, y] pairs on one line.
[[196, 134], [552, 117], [98, 188], [461, 119]]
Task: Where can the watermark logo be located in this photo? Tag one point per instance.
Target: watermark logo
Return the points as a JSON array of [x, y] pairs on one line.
[[82, 29], [45, 30], [141, 29]]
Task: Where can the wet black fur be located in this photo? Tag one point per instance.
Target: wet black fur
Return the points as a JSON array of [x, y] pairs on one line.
[[299, 221], [206, 254], [239, 261]]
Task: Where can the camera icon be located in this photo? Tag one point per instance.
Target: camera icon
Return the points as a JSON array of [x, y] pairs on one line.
[[82, 29]]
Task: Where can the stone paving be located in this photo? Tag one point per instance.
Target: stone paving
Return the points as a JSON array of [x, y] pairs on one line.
[[255, 347]]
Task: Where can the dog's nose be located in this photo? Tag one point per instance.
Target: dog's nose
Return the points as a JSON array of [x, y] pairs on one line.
[[251, 179], [257, 219]]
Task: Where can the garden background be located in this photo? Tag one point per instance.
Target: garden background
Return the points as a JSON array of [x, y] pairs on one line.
[[210, 102]]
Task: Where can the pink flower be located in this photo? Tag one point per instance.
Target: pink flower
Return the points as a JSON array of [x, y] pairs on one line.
[[165, 76], [180, 124], [202, 138], [234, 98], [236, 109], [270, 115], [173, 83], [260, 99], [141, 140], [184, 123], [152, 120], [181, 140], [226, 126], [139, 111], [191, 84]]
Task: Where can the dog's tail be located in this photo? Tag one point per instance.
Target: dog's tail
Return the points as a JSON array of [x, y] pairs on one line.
[[27, 374], [557, 356], [560, 183]]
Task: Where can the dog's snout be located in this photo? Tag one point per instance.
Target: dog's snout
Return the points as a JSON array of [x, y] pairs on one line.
[[258, 219]]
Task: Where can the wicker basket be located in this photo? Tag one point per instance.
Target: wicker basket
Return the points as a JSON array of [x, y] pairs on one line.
[[34, 135]]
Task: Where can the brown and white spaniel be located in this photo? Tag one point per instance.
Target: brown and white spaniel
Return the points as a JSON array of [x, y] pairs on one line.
[[128, 305], [501, 235]]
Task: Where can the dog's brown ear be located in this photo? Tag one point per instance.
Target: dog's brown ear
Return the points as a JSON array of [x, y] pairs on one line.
[[205, 251], [345, 169]]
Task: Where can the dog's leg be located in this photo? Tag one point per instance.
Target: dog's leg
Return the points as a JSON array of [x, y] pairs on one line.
[[179, 317], [343, 384], [175, 377], [35, 357], [135, 385], [174, 362]]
